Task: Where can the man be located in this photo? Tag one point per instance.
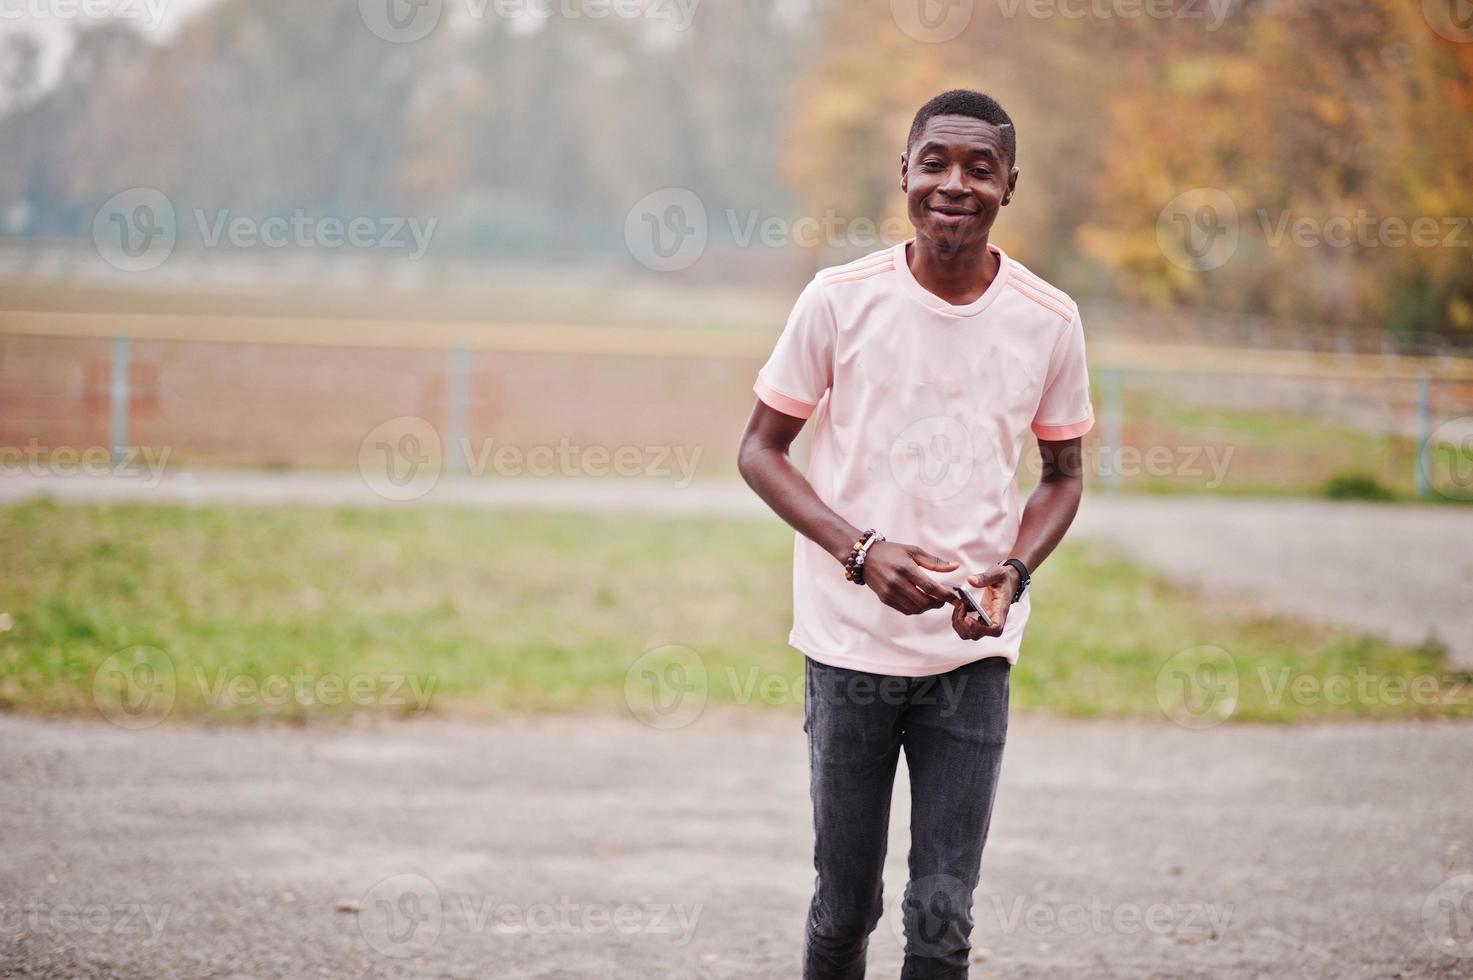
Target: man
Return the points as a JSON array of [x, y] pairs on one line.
[[924, 366]]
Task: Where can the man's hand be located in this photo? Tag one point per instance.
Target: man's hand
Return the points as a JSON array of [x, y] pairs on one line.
[[893, 571], [996, 586]]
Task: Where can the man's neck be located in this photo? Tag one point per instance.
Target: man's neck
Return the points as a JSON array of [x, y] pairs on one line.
[[957, 275]]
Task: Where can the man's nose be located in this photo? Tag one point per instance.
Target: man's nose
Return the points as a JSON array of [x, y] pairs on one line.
[[953, 183]]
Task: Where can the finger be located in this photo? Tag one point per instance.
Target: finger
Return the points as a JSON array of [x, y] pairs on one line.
[[929, 587], [963, 621], [997, 610], [914, 602], [933, 599], [984, 579], [959, 620], [903, 597], [927, 560]]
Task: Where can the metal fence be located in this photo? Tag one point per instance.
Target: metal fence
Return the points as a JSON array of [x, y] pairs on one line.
[[261, 391]]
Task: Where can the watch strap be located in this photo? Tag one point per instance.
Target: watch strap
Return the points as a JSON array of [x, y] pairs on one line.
[[1023, 576]]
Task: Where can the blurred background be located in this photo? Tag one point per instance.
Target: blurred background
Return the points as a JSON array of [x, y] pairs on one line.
[[375, 358], [317, 217]]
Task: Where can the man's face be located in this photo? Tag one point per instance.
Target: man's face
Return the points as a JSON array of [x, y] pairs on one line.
[[955, 177]]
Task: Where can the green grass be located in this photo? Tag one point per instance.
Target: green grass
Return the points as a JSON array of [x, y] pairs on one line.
[[479, 613]]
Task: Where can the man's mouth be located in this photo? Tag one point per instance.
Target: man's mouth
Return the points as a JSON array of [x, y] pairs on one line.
[[954, 213]]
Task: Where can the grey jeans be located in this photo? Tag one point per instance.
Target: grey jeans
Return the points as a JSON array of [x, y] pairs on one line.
[[952, 728]]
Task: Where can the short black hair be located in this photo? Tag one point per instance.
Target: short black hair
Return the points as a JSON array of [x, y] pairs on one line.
[[965, 102]]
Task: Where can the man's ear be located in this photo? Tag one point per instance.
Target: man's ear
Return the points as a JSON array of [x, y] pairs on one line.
[[1012, 185], [904, 172]]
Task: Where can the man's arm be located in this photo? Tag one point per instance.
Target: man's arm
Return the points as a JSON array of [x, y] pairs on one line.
[[1050, 510], [891, 569], [1052, 504]]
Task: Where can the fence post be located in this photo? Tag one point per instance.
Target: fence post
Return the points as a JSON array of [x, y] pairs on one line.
[[457, 409], [1424, 433], [120, 398], [1111, 432]]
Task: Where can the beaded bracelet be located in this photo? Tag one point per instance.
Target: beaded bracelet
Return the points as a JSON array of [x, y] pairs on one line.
[[854, 564]]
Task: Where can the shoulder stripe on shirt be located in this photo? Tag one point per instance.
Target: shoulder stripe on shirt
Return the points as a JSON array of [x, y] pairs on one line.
[[1043, 301], [866, 273], [873, 258], [1047, 289]]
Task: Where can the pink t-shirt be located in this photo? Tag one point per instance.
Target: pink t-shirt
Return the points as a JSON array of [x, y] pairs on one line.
[[921, 411]]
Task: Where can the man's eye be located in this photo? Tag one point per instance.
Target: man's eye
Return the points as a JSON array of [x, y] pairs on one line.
[[980, 173]]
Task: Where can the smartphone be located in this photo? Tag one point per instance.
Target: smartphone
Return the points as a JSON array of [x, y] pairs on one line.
[[970, 601]]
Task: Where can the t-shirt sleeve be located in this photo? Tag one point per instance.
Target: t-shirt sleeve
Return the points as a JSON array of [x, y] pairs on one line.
[[1064, 411], [801, 367]]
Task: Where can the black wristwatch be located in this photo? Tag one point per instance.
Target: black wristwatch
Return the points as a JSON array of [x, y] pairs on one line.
[[1023, 576]]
